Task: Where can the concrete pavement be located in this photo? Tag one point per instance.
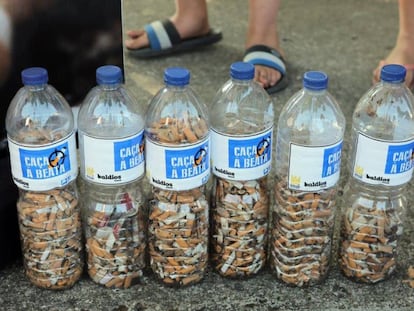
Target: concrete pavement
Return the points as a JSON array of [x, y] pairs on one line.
[[343, 38]]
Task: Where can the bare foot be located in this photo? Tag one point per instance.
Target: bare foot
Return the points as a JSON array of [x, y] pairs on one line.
[[402, 54], [187, 28], [264, 75]]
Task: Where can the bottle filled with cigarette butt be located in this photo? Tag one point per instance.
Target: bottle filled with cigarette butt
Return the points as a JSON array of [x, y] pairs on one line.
[[381, 166], [178, 167], [241, 142], [42, 145], [308, 160], [111, 139]]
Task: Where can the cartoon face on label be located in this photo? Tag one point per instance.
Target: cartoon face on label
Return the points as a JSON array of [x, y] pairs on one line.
[[45, 163]]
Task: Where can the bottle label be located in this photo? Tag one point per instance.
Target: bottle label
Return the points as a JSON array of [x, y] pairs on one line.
[[42, 168], [112, 161], [241, 158], [314, 168], [379, 162], [178, 168]]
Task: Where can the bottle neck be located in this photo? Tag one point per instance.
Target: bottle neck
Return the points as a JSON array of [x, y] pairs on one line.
[[36, 88], [110, 87], [177, 88], [315, 92], [392, 84], [241, 81]]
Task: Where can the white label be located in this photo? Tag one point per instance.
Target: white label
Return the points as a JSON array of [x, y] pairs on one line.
[[46, 167], [314, 168], [380, 162], [241, 158], [112, 161], [178, 168]]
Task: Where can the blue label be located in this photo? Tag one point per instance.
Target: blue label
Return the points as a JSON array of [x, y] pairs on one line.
[[399, 159], [331, 160], [129, 153], [182, 164], [45, 163], [250, 153]]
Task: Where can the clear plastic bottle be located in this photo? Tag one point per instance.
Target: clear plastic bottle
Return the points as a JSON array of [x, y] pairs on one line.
[[178, 167], [241, 142], [381, 155], [42, 144], [308, 159], [111, 139]]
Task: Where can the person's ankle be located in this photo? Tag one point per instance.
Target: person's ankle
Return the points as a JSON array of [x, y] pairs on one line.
[[405, 45], [188, 28]]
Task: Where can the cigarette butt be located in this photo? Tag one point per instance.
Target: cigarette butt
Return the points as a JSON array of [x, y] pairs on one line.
[[185, 199], [156, 213], [381, 226], [315, 202], [322, 213], [186, 270], [128, 281], [172, 261], [308, 197], [112, 282], [191, 279], [39, 218], [189, 135], [364, 246], [350, 260], [166, 215], [168, 280], [390, 264], [198, 131], [96, 248], [164, 234]]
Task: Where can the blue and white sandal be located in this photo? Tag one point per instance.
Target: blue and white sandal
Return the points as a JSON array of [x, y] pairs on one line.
[[266, 56], [164, 40]]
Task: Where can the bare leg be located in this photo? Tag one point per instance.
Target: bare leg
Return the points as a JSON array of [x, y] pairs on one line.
[[190, 19], [262, 29], [403, 51]]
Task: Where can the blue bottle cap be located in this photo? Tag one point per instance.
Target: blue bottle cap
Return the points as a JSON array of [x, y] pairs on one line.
[[34, 76], [242, 71], [315, 80], [108, 74], [393, 73], [176, 76]]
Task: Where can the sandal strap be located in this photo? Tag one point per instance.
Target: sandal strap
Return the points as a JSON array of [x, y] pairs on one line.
[[266, 56], [162, 34]]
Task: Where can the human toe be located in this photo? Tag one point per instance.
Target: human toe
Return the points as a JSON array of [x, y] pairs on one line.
[[137, 40], [267, 76], [135, 33]]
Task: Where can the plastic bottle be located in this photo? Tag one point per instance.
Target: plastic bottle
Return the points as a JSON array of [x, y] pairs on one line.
[[111, 137], [178, 167], [381, 154], [241, 142], [308, 159], [42, 145]]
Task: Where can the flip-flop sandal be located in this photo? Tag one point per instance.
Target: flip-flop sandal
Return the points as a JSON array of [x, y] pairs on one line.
[[164, 40], [266, 56]]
